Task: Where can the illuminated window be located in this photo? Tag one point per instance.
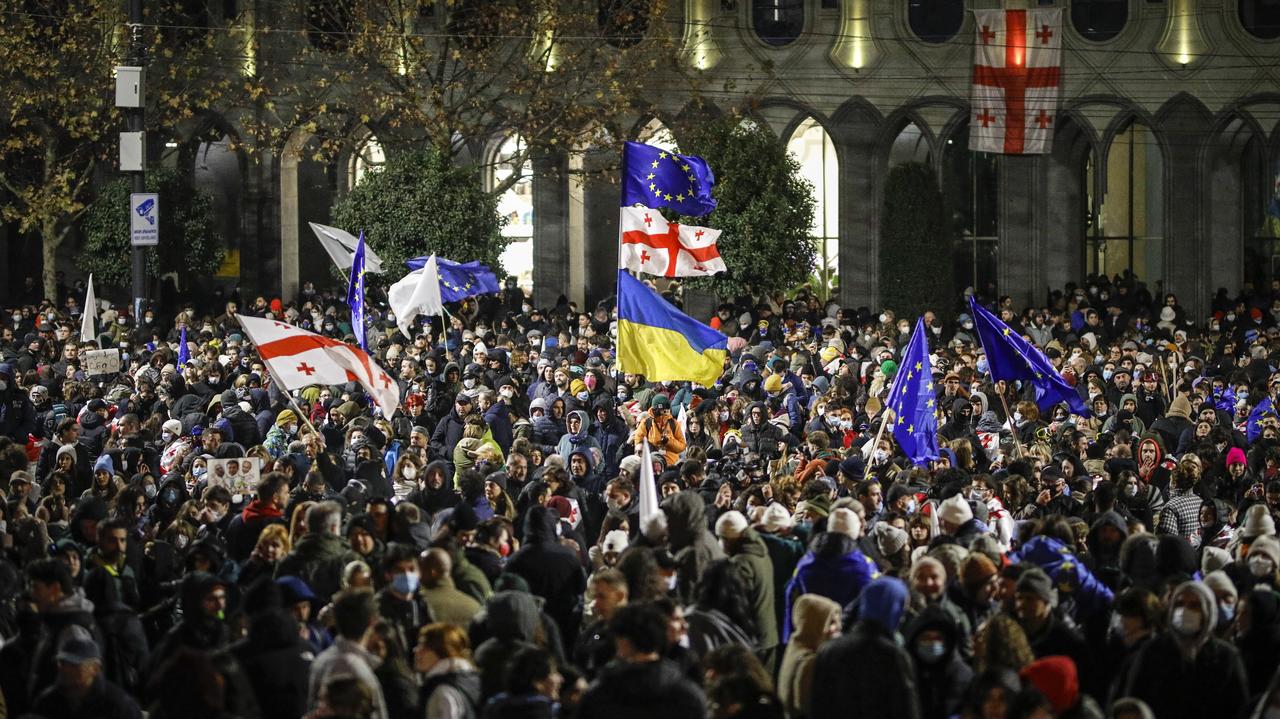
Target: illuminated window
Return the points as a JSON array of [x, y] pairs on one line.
[[811, 146], [512, 166]]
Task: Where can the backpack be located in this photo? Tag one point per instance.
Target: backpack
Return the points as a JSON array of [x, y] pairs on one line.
[[53, 417]]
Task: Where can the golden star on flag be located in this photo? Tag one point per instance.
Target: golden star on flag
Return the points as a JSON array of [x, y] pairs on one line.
[[909, 375], [911, 429], [929, 403], [900, 420], [685, 167], [651, 176], [657, 192], [1006, 331], [667, 197], [919, 366], [662, 155], [929, 386], [654, 164], [652, 186], [679, 198]]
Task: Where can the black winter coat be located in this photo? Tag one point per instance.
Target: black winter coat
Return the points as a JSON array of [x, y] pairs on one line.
[[642, 691], [277, 663], [864, 673], [553, 571]]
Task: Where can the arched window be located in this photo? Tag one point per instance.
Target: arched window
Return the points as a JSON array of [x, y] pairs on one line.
[[778, 22], [655, 133], [910, 145], [1129, 231], [1099, 20], [1261, 18], [811, 146], [329, 24], [513, 167], [370, 157], [624, 22], [971, 189], [935, 21]]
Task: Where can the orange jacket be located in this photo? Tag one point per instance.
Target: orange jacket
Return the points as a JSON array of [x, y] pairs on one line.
[[650, 428]]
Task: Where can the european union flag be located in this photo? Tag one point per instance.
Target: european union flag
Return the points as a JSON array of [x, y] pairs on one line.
[[1011, 358], [912, 399], [1253, 427], [1225, 400], [355, 294], [653, 177], [184, 354], [460, 280]]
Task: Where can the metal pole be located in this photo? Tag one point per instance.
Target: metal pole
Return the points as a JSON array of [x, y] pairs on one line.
[[137, 123]]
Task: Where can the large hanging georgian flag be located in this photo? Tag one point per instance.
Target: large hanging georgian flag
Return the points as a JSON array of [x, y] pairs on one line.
[[651, 244], [1017, 74]]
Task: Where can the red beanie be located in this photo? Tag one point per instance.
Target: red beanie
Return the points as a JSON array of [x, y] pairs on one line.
[[1235, 455], [1055, 678], [276, 306]]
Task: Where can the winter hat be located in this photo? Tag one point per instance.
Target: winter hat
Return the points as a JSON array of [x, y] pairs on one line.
[[1235, 455], [955, 510], [67, 449], [172, 425], [976, 571], [1267, 546], [286, 417], [773, 384], [654, 527], [889, 368], [776, 517], [1218, 581], [731, 525], [820, 506], [1180, 407], [1214, 559], [463, 518], [1054, 677], [889, 538], [1167, 314], [1035, 581], [844, 521], [228, 398], [104, 464], [630, 464], [1257, 522], [615, 541]]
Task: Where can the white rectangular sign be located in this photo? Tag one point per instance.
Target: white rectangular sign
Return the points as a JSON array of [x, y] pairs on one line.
[[144, 219], [99, 362]]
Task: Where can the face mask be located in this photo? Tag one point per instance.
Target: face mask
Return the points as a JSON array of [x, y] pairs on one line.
[[976, 496], [881, 455], [1186, 622], [328, 328], [198, 472], [1017, 417], [468, 383], [217, 516], [614, 504], [409, 472], [833, 419], [883, 319], [406, 583], [526, 308], [166, 437], [1226, 612], [583, 396], [507, 393], [17, 318], [1131, 490], [967, 325], [150, 491], [911, 506], [931, 651], [148, 320], [1106, 375], [1260, 565], [936, 330]]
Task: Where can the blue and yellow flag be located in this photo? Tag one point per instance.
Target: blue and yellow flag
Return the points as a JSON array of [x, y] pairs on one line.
[[913, 400], [1011, 358], [661, 343], [184, 354], [355, 294], [654, 177]]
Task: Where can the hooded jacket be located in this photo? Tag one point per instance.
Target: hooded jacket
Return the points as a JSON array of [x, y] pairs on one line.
[[693, 545], [1189, 675], [570, 443], [752, 560], [763, 439], [833, 568], [627, 690], [1104, 561], [512, 618], [813, 614], [196, 630], [276, 662], [864, 672], [553, 571], [942, 680]]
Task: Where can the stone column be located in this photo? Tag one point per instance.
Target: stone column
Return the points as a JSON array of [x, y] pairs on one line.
[[551, 227], [864, 159], [1020, 269]]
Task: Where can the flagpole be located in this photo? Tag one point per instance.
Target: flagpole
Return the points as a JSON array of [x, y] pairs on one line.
[[884, 421], [1009, 415]]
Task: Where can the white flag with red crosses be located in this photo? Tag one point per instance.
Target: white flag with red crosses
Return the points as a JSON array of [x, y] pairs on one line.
[[298, 358], [1017, 76], [651, 244]]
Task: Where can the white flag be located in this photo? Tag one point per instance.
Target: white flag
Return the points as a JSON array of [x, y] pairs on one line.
[[88, 333], [417, 293], [341, 246], [298, 358], [647, 486]]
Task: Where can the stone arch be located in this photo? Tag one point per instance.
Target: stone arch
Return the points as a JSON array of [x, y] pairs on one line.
[[1240, 182], [812, 145]]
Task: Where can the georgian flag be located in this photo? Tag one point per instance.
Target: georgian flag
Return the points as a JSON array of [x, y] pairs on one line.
[[651, 244], [1017, 75], [298, 358]]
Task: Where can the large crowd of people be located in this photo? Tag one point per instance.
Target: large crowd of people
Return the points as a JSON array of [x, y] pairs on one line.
[[482, 552]]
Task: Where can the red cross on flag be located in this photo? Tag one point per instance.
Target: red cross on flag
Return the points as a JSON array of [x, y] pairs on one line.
[[651, 244], [1017, 75], [298, 358]]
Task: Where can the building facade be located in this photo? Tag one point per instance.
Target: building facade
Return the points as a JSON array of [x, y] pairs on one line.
[[1163, 163]]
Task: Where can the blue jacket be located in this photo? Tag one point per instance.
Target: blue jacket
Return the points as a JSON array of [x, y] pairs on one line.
[[1069, 574], [834, 568]]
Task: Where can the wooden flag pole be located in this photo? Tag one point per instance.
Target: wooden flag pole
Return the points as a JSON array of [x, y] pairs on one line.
[[884, 421]]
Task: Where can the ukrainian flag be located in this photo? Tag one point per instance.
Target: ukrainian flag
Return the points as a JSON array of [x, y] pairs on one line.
[[661, 343]]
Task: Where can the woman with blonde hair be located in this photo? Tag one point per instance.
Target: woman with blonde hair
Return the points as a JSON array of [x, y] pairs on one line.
[[450, 682], [273, 545], [298, 521]]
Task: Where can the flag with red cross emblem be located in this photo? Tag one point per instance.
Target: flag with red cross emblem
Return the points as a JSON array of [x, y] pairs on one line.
[[1017, 77], [651, 244], [298, 358]]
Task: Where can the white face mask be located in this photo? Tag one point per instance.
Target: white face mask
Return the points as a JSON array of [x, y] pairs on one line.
[[880, 455], [1260, 565], [409, 472], [166, 437], [1186, 622]]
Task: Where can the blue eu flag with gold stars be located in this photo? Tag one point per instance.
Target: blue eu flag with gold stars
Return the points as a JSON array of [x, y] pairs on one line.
[[654, 177], [460, 280], [913, 401], [1011, 358], [355, 294]]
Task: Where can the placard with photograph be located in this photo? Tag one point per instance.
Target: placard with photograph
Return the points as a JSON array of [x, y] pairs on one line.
[[239, 475]]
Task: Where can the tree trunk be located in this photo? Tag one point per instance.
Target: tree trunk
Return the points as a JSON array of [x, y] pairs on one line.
[[51, 237]]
